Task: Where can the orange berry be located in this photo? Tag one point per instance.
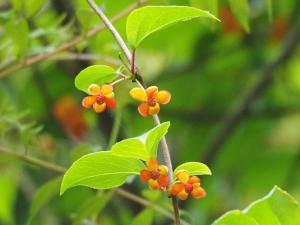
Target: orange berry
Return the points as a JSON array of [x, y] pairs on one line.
[[98, 108], [145, 175], [138, 94], [106, 89], [176, 188], [198, 192], [144, 109], [182, 195], [152, 164], [163, 97], [153, 184], [110, 102], [153, 110], [88, 101], [194, 179]]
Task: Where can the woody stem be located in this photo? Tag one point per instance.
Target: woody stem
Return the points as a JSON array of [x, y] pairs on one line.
[[127, 53]]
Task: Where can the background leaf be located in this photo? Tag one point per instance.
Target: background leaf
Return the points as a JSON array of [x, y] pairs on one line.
[[8, 190], [194, 168], [145, 217], [211, 5], [144, 21], [97, 74], [241, 12], [43, 195], [101, 170], [20, 42], [269, 4], [92, 207], [278, 207]]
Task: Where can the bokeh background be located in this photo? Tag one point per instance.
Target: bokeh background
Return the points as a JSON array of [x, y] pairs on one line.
[[235, 105]]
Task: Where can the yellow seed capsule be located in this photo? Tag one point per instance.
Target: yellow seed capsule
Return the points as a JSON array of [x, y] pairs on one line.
[[153, 184], [182, 195], [98, 108], [163, 97], [183, 176], [163, 170], [94, 89]]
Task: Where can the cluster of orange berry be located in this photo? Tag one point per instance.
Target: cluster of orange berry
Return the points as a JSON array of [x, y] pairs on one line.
[[157, 176], [102, 97], [158, 179]]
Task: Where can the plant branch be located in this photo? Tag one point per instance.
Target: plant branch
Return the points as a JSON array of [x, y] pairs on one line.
[[59, 169], [236, 115], [34, 161], [127, 52], [71, 43], [145, 202], [85, 57], [112, 29]]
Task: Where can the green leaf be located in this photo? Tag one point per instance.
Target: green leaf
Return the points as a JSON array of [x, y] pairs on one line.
[[235, 217], [32, 6], [144, 146], [194, 168], [20, 42], [132, 147], [269, 4], [145, 217], [8, 190], [146, 20], [101, 170], [153, 137], [92, 207], [241, 12], [43, 195], [277, 208], [97, 74]]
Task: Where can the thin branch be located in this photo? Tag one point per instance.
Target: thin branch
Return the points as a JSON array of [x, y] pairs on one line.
[[112, 29], [236, 115], [85, 57], [144, 202], [119, 80], [130, 59], [165, 147], [34, 161], [59, 169], [71, 43]]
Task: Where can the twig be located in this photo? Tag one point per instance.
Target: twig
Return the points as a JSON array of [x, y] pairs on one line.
[[34, 161], [84, 57], [130, 59], [234, 117], [145, 202], [59, 169], [112, 29], [71, 43]]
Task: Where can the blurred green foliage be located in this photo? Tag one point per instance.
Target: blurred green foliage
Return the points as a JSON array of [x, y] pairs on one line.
[[207, 66]]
